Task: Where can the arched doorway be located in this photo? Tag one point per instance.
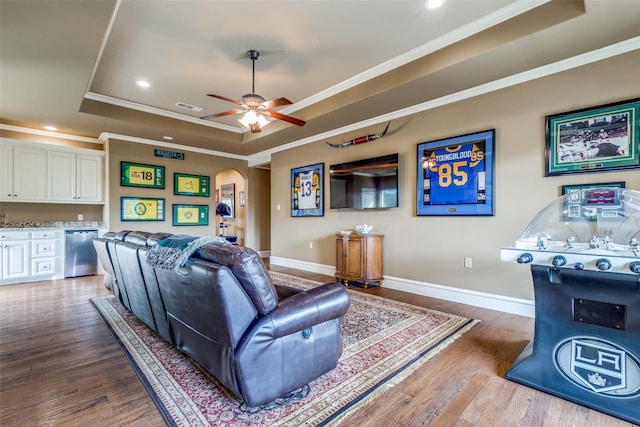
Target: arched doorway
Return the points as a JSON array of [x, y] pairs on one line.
[[230, 187]]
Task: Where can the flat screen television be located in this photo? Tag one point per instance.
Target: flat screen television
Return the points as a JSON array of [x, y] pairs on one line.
[[364, 184]]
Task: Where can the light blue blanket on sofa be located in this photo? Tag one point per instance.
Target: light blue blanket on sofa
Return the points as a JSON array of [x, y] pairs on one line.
[[174, 251]]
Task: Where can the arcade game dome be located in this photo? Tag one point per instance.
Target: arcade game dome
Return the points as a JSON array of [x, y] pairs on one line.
[[591, 222]]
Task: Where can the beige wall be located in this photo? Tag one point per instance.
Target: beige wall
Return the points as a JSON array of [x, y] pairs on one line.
[[432, 249], [49, 212], [194, 163]]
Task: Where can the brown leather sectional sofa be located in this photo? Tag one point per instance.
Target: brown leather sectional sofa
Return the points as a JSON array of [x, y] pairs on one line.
[[222, 309]]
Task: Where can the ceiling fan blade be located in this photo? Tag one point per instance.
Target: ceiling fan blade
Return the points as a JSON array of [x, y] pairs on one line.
[[284, 117], [226, 113], [276, 103], [224, 98]]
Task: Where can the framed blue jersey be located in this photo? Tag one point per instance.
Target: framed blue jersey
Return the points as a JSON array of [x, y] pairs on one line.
[[455, 175]]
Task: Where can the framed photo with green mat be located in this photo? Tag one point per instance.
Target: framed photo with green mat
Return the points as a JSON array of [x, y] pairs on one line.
[[191, 185], [141, 175], [595, 139], [141, 209], [190, 214]]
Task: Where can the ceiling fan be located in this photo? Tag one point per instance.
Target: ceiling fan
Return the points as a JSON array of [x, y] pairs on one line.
[[255, 106]]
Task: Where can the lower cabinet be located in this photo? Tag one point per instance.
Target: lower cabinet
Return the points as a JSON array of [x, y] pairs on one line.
[[15, 257], [28, 256], [359, 258]]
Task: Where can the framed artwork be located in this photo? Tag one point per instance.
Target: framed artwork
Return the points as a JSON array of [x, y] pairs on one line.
[[141, 209], [190, 214], [191, 185], [455, 175], [596, 139], [591, 204], [241, 201], [228, 196], [141, 175], [307, 190]]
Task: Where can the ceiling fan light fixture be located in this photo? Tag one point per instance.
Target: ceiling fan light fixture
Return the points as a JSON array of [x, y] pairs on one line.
[[253, 121], [434, 4], [254, 106]]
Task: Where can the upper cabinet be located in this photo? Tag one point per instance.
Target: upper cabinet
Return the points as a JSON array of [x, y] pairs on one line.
[[32, 172], [75, 177], [23, 173]]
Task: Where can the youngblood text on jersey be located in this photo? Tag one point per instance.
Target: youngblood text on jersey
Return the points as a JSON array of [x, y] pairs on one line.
[[455, 175]]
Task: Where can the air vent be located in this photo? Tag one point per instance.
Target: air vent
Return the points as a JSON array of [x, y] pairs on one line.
[[189, 107]]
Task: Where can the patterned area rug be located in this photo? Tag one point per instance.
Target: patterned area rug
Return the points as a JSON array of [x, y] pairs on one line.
[[384, 342]]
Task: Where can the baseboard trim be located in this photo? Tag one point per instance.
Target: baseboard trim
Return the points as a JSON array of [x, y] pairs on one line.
[[502, 303]]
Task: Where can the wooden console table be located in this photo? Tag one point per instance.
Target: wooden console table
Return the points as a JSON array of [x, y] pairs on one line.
[[359, 258]]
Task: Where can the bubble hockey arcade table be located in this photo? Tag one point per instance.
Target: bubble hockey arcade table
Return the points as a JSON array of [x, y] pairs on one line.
[[585, 261]]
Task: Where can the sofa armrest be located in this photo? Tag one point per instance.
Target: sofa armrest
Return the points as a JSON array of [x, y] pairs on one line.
[[306, 309]]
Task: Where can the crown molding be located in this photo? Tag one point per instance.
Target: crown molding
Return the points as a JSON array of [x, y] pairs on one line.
[[158, 111], [50, 134], [173, 146], [516, 79]]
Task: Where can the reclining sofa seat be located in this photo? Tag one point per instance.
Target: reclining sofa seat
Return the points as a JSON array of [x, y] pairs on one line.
[[222, 309]]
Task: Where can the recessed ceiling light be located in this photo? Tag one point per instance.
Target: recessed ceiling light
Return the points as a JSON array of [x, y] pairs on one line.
[[168, 138], [143, 83], [434, 4], [51, 128]]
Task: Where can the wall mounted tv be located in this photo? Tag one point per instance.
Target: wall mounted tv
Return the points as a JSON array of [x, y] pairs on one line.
[[364, 184]]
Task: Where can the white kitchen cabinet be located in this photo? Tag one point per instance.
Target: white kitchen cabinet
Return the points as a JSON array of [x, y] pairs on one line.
[[89, 176], [44, 250], [27, 256], [75, 177], [6, 172], [24, 173], [14, 252]]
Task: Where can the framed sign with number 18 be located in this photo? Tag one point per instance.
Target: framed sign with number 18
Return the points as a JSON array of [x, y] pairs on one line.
[[140, 175], [307, 190]]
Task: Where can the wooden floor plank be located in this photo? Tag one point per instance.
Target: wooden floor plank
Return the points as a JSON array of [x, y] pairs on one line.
[[59, 365]]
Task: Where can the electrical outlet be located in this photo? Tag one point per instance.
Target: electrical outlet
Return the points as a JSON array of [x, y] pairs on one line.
[[80, 217], [310, 245], [468, 262]]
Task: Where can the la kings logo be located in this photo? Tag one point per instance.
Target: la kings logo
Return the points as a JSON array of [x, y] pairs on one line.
[[599, 366]]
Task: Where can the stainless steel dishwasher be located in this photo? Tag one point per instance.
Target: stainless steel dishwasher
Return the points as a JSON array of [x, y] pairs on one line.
[[80, 258]]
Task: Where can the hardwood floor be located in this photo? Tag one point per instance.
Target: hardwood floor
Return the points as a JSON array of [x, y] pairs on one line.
[[59, 365]]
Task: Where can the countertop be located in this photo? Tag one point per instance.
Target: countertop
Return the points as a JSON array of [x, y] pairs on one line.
[[55, 225]]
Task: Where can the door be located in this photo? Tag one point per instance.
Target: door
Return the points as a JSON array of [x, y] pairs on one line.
[[29, 174], [62, 176], [89, 178], [15, 259], [6, 172], [354, 258]]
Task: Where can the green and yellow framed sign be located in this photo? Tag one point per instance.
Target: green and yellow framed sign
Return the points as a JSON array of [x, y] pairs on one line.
[[191, 185], [190, 214], [141, 175], [141, 209]]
